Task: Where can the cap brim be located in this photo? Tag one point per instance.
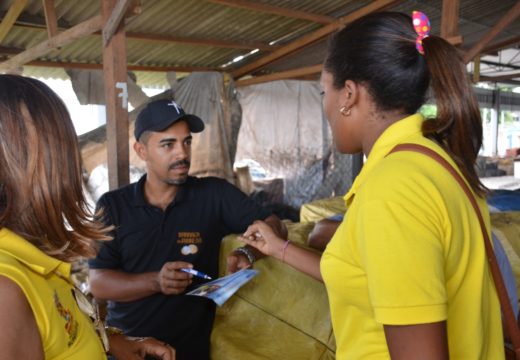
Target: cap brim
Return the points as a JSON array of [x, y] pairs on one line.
[[195, 123]]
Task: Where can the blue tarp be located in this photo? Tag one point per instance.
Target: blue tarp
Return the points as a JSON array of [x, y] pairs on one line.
[[505, 200]]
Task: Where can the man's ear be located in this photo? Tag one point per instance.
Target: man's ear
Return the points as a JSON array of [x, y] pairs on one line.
[[140, 150]]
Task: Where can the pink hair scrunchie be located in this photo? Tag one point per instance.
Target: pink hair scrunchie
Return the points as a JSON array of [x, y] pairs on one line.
[[422, 27]]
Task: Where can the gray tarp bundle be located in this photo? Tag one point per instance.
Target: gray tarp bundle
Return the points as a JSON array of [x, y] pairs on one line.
[[285, 130], [211, 96]]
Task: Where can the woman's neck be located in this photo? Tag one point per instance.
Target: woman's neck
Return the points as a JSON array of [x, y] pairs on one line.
[[377, 122]]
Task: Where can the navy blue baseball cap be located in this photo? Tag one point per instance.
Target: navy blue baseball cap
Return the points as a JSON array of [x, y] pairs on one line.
[[161, 114]]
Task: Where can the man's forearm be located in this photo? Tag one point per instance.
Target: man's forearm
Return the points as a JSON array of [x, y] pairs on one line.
[[277, 225], [115, 285]]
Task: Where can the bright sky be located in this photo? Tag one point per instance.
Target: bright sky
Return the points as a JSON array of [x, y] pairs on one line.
[[84, 117]]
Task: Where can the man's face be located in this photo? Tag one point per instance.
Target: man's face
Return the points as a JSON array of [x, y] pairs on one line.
[[167, 154]]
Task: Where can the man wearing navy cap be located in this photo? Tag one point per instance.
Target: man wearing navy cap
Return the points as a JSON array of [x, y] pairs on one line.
[[167, 221]]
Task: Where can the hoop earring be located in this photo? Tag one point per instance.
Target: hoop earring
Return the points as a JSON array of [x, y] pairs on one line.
[[344, 111]]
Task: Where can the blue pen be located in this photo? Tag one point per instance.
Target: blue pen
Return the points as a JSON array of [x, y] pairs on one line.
[[196, 273]]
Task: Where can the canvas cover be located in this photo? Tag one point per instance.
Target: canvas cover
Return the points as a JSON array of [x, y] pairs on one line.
[[280, 314], [285, 130]]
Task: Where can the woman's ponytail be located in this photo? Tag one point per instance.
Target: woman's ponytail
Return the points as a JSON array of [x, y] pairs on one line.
[[458, 125]]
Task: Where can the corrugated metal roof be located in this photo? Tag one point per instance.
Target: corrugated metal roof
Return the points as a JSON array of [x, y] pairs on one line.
[[204, 19]]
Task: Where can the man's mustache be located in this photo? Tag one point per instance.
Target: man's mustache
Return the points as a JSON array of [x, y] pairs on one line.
[[180, 163]]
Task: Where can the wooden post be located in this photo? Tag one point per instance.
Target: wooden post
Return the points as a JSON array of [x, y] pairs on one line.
[[116, 96], [50, 18], [450, 18], [115, 19]]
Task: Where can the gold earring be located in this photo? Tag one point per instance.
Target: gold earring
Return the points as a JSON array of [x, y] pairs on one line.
[[344, 111]]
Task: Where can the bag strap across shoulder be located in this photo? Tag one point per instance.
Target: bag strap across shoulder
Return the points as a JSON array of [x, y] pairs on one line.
[[507, 310]]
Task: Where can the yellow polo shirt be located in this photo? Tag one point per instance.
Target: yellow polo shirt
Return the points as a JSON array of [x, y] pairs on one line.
[[410, 251], [65, 331]]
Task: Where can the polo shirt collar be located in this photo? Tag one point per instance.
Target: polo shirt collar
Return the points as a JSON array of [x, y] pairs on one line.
[[138, 192], [32, 257], [393, 135]]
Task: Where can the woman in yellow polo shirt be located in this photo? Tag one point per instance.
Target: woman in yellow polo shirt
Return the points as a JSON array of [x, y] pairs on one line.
[[406, 271], [44, 225]]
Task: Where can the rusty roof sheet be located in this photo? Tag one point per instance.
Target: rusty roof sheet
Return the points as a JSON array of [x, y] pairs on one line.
[[208, 21]]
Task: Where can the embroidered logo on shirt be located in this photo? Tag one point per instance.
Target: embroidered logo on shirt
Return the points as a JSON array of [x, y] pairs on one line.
[[71, 325], [189, 239], [189, 249]]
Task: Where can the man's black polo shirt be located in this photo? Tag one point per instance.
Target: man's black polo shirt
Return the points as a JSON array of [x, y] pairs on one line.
[[190, 229]]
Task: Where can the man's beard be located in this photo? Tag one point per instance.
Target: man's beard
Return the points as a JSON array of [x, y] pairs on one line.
[[181, 180], [178, 181]]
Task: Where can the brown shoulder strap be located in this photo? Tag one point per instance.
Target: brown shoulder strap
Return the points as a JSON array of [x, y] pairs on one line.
[[507, 310]]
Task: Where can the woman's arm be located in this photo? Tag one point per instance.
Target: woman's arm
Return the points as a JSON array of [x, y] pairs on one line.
[[423, 341], [19, 337]]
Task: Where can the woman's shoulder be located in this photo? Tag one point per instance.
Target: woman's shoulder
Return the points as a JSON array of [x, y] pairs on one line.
[[14, 271], [17, 316], [410, 163], [410, 177], [11, 292]]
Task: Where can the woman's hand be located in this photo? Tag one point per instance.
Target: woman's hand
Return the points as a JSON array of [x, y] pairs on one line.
[[130, 348], [262, 237]]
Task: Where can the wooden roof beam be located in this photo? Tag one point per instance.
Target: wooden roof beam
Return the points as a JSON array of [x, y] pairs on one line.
[[115, 19], [312, 37], [277, 10], [26, 19], [500, 65], [454, 40], [500, 77], [304, 72], [493, 48], [188, 40], [282, 75], [95, 66], [50, 18], [38, 22], [7, 50], [205, 42], [507, 19], [10, 17], [84, 28]]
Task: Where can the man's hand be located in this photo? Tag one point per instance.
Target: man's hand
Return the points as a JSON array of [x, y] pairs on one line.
[[171, 280], [129, 348], [236, 261], [278, 227]]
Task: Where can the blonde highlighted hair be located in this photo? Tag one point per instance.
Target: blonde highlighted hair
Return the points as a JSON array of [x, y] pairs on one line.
[[41, 187]]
